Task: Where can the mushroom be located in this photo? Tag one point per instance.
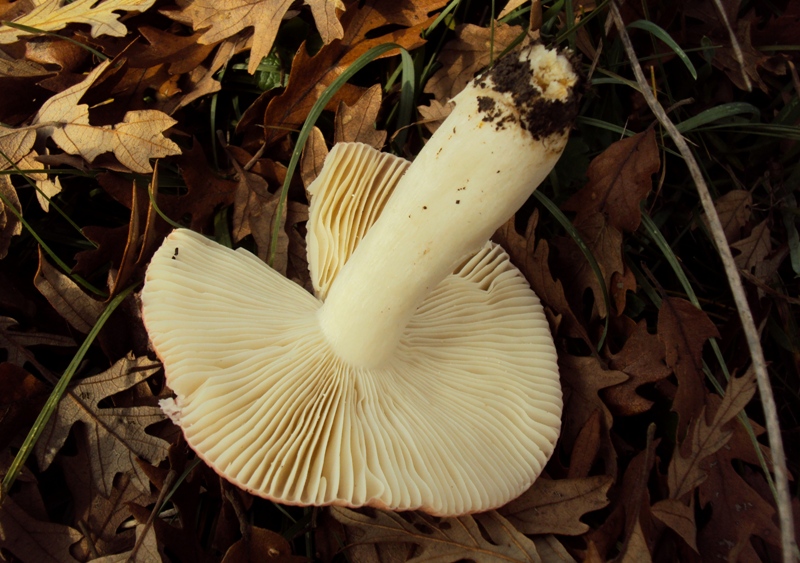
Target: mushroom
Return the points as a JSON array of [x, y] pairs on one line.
[[422, 374]]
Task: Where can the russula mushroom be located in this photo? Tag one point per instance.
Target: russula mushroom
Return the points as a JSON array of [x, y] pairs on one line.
[[422, 374]]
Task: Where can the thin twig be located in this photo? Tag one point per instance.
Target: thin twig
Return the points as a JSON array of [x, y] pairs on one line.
[[737, 50], [783, 499]]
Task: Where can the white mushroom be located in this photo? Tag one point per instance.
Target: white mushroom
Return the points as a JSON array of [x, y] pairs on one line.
[[423, 374]]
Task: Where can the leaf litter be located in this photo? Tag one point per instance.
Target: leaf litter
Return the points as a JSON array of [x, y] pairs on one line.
[[654, 460]]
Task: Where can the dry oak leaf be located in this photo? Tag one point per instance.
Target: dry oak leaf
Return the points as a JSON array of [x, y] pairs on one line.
[[311, 75], [224, 19], [706, 437], [32, 540], [15, 144], [21, 398], [116, 435], [679, 517], [619, 179], [468, 53], [101, 516], [443, 540], [134, 141], [356, 124], [738, 511], [556, 506], [684, 329], [52, 15], [642, 357]]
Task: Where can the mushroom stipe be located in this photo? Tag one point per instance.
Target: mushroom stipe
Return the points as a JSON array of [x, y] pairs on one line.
[[422, 374]]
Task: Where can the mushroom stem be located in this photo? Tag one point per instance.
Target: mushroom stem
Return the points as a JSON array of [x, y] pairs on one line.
[[507, 131]]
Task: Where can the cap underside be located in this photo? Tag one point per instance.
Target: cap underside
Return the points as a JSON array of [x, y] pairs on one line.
[[461, 419]]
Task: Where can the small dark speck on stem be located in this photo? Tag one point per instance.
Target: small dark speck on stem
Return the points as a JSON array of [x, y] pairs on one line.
[[424, 207], [458, 201]]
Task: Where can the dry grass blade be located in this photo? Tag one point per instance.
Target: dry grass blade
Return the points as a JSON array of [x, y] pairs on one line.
[[788, 544]]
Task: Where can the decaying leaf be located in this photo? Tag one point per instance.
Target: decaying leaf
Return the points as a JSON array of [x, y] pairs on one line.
[[52, 15], [134, 141], [116, 435], [679, 517], [33, 540], [434, 114], [446, 539], [556, 506]]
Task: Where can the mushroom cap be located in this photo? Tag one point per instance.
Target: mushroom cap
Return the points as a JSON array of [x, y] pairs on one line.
[[462, 418]]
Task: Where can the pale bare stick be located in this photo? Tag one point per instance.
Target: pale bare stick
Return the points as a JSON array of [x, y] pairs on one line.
[[737, 50], [748, 324]]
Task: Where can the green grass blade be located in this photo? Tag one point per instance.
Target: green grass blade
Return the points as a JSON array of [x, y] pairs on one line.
[[576, 236], [406, 105], [37, 31], [665, 37], [55, 396], [717, 113]]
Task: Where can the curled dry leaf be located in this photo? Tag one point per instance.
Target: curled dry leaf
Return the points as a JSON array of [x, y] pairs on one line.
[[52, 15], [134, 141], [734, 209], [754, 248], [116, 435], [260, 545]]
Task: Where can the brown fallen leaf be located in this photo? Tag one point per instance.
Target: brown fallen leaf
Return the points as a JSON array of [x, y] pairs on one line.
[[15, 144], [45, 187], [21, 398], [619, 179], [734, 209], [684, 329], [532, 259], [52, 15], [464, 56], [434, 114], [753, 249], [642, 358], [100, 515], [16, 342], [66, 297], [356, 124], [443, 539], [679, 517], [33, 540], [260, 544], [134, 141], [706, 437], [556, 506], [117, 436], [10, 226], [311, 75], [313, 158], [264, 16], [583, 378]]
